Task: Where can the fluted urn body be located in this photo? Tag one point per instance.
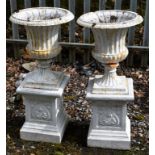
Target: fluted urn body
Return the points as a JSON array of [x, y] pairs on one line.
[[42, 27], [43, 41], [109, 28], [110, 45]]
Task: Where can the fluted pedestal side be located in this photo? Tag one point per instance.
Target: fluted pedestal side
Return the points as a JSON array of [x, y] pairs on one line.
[[42, 89], [109, 94]]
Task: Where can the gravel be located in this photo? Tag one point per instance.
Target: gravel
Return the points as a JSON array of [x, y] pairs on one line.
[[75, 103]]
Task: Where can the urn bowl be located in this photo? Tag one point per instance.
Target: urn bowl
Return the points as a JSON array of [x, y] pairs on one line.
[[42, 27], [109, 28]]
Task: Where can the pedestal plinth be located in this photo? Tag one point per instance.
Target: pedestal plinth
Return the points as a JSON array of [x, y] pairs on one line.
[[109, 126], [45, 116]]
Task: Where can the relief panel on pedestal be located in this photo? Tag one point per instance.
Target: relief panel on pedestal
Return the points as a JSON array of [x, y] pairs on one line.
[[109, 117], [41, 112], [39, 109]]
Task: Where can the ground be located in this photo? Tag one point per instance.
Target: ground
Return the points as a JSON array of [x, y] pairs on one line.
[[79, 111]]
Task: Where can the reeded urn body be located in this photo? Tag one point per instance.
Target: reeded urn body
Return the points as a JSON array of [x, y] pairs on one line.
[[42, 27], [109, 28]]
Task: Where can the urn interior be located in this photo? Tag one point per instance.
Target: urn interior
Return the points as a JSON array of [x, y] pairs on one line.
[[41, 16], [109, 19]]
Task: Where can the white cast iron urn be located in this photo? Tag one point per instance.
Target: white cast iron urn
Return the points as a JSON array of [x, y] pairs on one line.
[[42, 26], [109, 94], [109, 28]]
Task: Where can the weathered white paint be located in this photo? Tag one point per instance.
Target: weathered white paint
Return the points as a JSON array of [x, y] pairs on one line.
[[41, 16], [110, 19], [110, 93], [42, 26], [109, 28], [43, 41], [42, 89], [109, 126], [46, 119]]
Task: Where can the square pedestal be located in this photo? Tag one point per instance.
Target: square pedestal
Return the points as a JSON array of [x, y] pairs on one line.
[[45, 116], [109, 126]]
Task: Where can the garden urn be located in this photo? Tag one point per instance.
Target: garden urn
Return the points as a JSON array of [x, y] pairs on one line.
[[42, 28], [42, 89], [110, 93], [109, 28]]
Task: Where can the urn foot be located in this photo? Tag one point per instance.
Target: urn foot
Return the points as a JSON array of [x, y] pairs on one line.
[[43, 79], [104, 85], [110, 83]]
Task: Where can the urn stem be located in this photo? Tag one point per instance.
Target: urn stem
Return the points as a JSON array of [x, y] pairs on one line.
[[43, 64], [110, 78], [110, 70]]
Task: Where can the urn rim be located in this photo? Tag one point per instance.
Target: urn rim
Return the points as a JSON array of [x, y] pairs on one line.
[[102, 19], [41, 16]]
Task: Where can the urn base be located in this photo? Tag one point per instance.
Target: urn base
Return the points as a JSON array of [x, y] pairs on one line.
[[110, 138], [45, 118], [109, 126], [43, 132], [43, 79], [104, 85]]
